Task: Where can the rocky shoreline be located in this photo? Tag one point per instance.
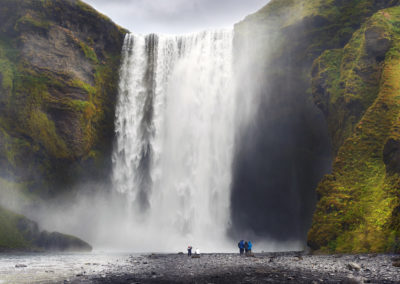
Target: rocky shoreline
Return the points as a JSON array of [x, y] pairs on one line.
[[291, 267]]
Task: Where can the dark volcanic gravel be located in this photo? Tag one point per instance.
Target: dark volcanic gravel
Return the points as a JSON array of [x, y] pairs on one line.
[[263, 268]]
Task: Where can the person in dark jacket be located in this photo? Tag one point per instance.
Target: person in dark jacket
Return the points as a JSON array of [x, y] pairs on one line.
[[189, 250], [246, 247], [241, 247]]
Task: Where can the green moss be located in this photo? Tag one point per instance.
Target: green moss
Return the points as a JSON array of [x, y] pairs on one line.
[[89, 52], [88, 9], [51, 122], [10, 236], [7, 74], [355, 211], [30, 19], [43, 130], [84, 86]]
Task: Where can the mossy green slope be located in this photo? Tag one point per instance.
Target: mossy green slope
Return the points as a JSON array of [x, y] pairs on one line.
[[358, 89], [59, 64], [17, 233], [10, 237]]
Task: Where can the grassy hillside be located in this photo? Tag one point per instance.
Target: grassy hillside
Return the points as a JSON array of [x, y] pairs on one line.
[[10, 237], [358, 89]]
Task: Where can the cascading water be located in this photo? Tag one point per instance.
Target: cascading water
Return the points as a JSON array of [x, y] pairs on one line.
[[175, 132]]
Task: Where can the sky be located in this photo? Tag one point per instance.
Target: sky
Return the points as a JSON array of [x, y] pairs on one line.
[[176, 16]]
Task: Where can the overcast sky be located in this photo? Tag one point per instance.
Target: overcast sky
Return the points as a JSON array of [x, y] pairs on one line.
[[176, 16]]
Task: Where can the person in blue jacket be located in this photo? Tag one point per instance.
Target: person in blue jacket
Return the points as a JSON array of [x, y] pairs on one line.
[[250, 245], [241, 247]]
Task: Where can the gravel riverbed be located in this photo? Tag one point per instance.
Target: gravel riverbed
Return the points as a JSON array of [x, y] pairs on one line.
[[262, 268]]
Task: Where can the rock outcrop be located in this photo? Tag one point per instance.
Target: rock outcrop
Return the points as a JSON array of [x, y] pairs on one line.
[[18, 233], [59, 63]]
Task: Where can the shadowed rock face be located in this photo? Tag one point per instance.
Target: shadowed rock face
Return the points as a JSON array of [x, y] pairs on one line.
[[391, 155], [285, 150]]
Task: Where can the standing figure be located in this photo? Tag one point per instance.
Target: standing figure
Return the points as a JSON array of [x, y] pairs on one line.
[[241, 247], [250, 246], [189, 250], [246, 247]]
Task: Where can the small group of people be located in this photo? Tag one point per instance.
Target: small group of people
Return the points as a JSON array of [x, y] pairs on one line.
[[245, 247], [196, 252]]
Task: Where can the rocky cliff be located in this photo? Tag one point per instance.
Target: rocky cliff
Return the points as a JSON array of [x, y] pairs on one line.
[[59, 63], [357, 88], [341, 57]]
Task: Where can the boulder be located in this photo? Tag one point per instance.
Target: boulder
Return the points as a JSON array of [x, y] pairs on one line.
[[353, 266]]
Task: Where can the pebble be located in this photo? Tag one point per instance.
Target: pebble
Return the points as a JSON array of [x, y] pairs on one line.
[[353, 266], [231, 268], [20, 266]]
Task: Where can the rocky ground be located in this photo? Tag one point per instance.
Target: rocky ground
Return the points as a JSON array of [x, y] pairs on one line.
[[262, 268]]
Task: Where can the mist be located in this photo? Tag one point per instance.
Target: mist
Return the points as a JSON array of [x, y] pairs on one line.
[[212, 145], [281, 145]]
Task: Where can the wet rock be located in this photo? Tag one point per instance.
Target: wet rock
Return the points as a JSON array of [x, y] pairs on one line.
[[353, 266], [391, 155], [20, 266], [377, 42]]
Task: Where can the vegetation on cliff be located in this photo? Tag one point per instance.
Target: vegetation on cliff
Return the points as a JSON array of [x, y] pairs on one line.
[[358, 88], [59, 64], [18, 233], [350, 45]]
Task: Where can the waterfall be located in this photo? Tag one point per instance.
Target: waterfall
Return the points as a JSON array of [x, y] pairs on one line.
[[174, 139]]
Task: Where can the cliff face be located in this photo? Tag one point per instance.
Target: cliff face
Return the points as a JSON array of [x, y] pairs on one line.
[[59, 63], [357, 88], [287, 145]]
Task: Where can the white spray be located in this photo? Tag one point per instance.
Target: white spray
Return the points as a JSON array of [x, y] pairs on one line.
[[175, 132]]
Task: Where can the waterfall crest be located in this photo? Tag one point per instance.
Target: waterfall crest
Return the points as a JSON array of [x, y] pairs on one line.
[[174, 138]]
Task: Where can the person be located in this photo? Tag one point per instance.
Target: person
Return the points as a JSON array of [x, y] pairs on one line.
[[241, 246], [250, 246], [246, 248], [189, 250]]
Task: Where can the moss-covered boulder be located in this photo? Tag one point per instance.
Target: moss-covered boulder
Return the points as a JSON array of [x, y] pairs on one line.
[[358, 89], [59, 62], [18, 233]]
